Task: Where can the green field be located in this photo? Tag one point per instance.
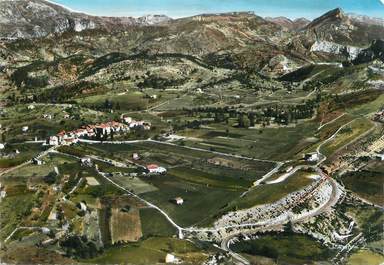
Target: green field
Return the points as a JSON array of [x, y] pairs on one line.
[[14, 208], [206, 188], [268, 143], [200, 202], [129, 101], [209, 180], [269, 193], [154, 224], [367, 182], [364, 257], [346, 135], [27, 152], [370, 220], [134, 184], [327, 130], [151, 251], [187, 164], [285, 248], [369, 107]]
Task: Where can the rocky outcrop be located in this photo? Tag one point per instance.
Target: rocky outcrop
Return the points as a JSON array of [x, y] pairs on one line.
[[279, 65], [333, 48], [153, 19]]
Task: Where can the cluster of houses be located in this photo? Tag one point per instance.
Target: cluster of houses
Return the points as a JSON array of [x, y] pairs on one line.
[[70, 137], [101, 130]]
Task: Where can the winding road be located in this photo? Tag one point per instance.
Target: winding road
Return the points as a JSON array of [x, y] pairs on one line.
[[254, 226]]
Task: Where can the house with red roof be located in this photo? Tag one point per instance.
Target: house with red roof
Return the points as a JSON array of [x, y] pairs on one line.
[[155, 169]]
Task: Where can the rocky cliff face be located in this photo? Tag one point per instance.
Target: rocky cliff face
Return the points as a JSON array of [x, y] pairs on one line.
[[336, 26], [39, 18], [153, 19], [333, 48]]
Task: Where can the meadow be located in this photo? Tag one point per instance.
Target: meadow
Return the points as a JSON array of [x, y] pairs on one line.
[[276, 144], [151, 251], [367, 182], [269, 193], [286, 248]]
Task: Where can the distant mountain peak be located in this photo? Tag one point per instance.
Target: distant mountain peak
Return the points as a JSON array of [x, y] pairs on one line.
[[366, 19], [288, 23], [335, 15]]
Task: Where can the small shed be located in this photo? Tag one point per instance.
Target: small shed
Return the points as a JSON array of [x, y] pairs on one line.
[[179, 200]]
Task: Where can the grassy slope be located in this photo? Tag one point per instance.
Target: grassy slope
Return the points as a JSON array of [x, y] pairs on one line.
[[368, 182], [271, 192], [287, 248], [346, 135], [272, 143], [151, 251], [364, 257], [200, 202]]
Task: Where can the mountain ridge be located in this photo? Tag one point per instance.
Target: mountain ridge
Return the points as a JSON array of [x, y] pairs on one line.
[[39, 18], [231, 40]]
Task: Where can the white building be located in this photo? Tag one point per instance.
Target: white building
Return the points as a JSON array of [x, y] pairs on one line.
[[80, 133], [169, 258], [312, 157], [45, 230], [2, 146], [47, 116], [127, 119], [179, 201], [31, 107], [380, 157], [25, 129], [135, 156], [37, 162], [83, 207], [156, 169], [53, 140], [86, 161]]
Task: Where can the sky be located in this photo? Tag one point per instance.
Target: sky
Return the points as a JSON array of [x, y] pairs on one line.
[[181, 8]]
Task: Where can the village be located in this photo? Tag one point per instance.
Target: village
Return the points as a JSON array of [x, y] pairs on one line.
[[98, 131]]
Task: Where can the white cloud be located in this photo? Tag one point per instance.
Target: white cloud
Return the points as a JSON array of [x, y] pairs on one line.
[[382, 1]]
